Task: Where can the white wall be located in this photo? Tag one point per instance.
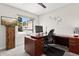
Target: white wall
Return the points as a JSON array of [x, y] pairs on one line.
[[12, 12], [70, 19], [2, 37]]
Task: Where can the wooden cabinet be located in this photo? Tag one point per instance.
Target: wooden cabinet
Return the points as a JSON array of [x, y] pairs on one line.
[[10, 37], [74, 45], [34, 46]]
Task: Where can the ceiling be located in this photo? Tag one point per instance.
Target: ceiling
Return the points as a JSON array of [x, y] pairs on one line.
[[37, 9]]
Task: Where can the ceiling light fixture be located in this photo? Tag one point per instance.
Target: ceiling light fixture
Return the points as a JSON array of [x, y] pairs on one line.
[[41, 4]]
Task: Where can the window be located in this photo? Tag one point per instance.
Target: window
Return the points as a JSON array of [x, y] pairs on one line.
[[25, 23]]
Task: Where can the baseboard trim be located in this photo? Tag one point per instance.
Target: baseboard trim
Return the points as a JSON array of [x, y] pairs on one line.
[[2, 49]]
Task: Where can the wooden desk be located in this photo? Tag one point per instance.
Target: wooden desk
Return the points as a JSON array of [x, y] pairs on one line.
[[34, 46], [70, 41]]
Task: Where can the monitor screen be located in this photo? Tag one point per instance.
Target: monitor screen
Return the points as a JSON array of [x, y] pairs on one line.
[[38, 29]]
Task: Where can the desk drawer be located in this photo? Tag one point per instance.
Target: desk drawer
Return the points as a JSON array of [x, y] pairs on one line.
[[74, 48], [74, 42]]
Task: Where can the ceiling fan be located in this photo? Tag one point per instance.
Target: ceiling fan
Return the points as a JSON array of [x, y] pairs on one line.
[[41, 4]]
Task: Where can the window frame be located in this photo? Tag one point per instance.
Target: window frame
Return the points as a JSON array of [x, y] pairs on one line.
[[31, 19]]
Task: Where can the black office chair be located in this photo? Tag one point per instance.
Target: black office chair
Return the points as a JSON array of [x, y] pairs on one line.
[[49, 39], [50, 50]]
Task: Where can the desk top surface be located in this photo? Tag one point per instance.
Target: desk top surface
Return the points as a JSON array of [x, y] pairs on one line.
[[67, 36], [35, 36]]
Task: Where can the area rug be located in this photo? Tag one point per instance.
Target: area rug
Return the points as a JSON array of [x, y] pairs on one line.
[[52, 51]]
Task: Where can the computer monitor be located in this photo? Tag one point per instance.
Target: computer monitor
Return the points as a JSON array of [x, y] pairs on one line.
[[38, 29]]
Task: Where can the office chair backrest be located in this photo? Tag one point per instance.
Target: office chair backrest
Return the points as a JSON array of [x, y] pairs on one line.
[[50, 35]]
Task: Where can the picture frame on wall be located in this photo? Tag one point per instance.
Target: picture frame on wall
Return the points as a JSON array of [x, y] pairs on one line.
[[8, 21]]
